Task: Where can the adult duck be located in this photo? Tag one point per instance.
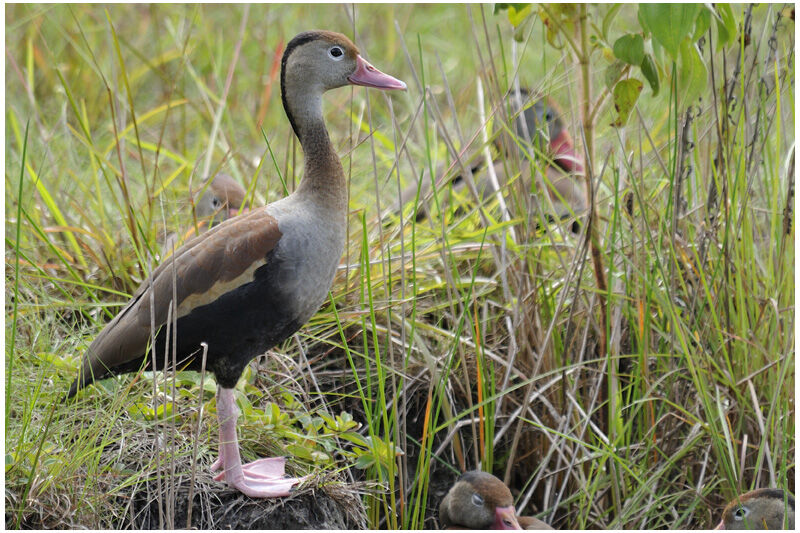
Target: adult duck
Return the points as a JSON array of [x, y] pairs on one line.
[[479, 500], [539, 130], [222, 198], [759, 509], [252, 281]]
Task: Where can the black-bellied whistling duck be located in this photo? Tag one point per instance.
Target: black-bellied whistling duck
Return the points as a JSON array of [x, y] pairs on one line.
[[759, 509], [538, 124], [541, 125], [479, 500], [222, 199], [252, 281]]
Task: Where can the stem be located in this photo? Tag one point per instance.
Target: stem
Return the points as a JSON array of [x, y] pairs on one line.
[[588, 133], [593, 235]]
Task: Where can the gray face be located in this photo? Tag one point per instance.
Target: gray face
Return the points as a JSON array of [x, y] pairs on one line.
[[541, 120], [473, 501], [221, 199], [323, 62], [760, 509], [211, 205]]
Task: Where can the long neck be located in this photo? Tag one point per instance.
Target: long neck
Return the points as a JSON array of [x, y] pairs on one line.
[[323, 178]]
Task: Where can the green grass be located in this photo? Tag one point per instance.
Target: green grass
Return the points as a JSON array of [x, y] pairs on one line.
[[471, 338]]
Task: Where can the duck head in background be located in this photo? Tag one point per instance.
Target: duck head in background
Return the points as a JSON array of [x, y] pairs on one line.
[[479, 500], [759, 509], [222, 199]]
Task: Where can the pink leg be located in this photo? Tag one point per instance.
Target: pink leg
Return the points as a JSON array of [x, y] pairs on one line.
[[260, 479]]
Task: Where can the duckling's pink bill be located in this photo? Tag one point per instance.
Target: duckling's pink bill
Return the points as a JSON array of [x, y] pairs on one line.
[[505, 518], [369, 76]]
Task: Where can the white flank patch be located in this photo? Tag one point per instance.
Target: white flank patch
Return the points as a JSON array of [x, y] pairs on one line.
[[218, 289]]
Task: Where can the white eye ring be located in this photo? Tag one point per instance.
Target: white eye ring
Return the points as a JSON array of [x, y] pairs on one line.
[[477, 499], [740, 513], [336, 53]]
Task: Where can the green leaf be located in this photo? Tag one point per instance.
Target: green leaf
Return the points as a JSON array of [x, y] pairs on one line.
[[140, 411], [630, 49], [518, 13], [365, 461], [626, 92], [609, 18], [209, 385], [692, 74], [550, 27], [669, 23], [702, 23], [726, 24], [300, 451], [503, 6], [57, 361], [320, 457], [613, 72], [650, 72]]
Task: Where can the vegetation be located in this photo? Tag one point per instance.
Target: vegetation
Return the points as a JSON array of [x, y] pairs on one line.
[[635, 374]]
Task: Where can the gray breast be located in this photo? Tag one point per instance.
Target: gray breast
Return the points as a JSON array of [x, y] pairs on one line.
[[309, 252]]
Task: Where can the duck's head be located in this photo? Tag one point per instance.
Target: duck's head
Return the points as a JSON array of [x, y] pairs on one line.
[[544, 124], [222, 198], [479, 500], [759, 509], [316, 61]]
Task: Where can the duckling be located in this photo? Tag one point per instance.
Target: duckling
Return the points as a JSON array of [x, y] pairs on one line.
[[759, 509], [479, 500]]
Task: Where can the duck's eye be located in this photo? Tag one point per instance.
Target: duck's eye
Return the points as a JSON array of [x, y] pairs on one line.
[[548, 116], [477, 499], [740, 513], [336, 53], [215, 203]]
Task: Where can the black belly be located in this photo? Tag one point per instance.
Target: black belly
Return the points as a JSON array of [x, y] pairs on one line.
[[237, 326]]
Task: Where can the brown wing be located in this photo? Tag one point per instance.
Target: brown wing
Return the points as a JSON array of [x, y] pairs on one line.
[[204, 268]]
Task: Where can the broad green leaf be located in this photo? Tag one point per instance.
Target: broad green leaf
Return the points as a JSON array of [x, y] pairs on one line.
[[609, 18], [518, 13], [702, 23], [643, 21], [566, 16], [58, 362], [726, 24], [300, 451], [365, 461], [626, 92], [141, 411], [630, 49], [692, 74], [505, 5], [613, 72], [669, 23], [550, 27], [320, 457], [650, 72]]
